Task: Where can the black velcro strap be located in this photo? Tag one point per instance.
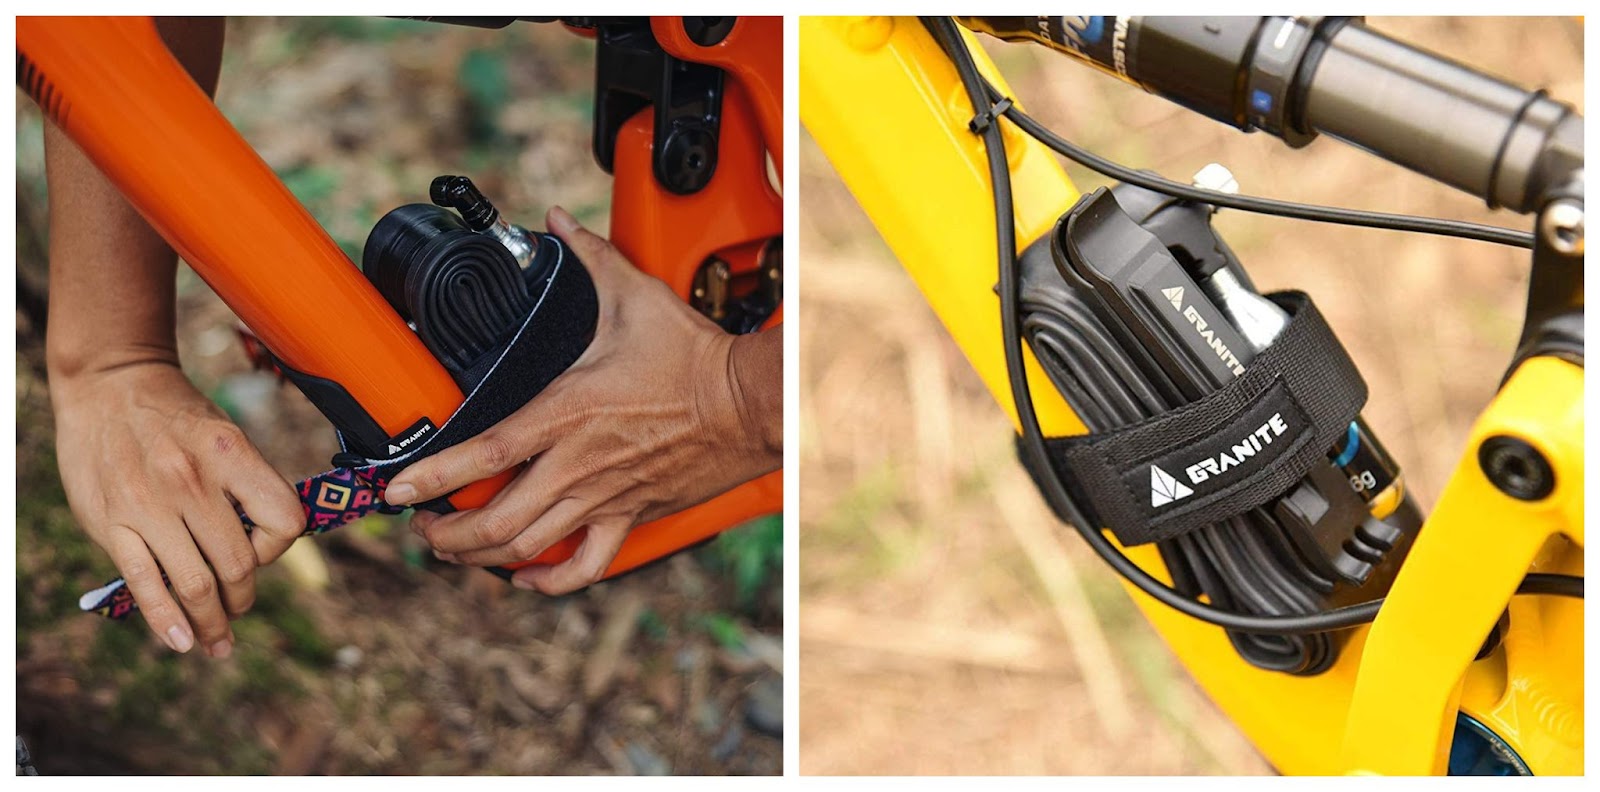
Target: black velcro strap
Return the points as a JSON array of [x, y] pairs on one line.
[[552, 338], [1234, 449]]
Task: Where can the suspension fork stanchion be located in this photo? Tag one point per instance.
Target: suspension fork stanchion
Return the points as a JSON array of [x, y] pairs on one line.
[[1469, 557]]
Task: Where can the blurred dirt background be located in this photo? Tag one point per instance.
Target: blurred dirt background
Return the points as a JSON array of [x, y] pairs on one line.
[[364, 654], [948, 624]]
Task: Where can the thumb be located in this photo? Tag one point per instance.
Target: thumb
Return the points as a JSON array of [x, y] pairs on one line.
[[601, 257]]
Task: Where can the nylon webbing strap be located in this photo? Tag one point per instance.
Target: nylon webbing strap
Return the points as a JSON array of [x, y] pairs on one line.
[[1234, 449], [552, 338], [331, 499]]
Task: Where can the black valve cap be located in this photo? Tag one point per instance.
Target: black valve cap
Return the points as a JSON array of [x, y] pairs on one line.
[[460, 194]]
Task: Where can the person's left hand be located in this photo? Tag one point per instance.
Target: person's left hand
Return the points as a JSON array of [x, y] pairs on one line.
[[656, 416]]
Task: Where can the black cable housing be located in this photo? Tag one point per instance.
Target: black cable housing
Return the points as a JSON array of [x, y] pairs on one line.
[[1259, 205]]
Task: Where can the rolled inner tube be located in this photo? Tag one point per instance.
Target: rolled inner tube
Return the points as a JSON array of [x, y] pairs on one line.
[[462, 290]]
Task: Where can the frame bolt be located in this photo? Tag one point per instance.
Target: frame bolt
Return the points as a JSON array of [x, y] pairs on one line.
[[708, 31], [1516, 468], [689, 158], [1561, 225]]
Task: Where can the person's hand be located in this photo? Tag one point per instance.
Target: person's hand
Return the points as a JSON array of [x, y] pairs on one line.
[[661, 412], [152, 470]]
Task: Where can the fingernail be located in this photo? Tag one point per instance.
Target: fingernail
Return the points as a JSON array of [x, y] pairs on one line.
[[446, 557], [179, 639], [400, 494], [522, 583], [561, 221], [221, 649]]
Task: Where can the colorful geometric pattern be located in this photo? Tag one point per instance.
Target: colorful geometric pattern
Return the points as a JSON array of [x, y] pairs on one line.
[[331, 499]]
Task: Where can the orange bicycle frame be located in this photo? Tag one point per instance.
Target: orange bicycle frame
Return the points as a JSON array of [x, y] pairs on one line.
[[113, 87]]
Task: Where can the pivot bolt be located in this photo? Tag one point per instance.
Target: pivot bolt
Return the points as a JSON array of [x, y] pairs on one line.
[[688, 159], [1561, 225], [707, 31], [1516, 468]]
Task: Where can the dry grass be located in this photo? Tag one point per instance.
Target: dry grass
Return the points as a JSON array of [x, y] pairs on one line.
[[948, 625]]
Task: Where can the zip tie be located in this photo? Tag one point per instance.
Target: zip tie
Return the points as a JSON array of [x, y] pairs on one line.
[[980, 123]]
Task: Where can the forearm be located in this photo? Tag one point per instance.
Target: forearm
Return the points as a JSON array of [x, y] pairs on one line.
[[111, 275], [755, 369]]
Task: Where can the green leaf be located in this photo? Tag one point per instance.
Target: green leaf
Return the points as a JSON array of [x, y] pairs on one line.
[[724, 630], [483, 77]]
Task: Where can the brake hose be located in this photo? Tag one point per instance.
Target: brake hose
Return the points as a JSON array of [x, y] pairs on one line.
[[945, 31], [1267, 206]]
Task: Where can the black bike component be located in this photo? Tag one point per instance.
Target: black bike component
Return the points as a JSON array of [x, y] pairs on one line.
[[1235, 518], [1032, 440], [1558, 335], [1504, 144], [463, 293], [492, 23], [1146, 296], [1516, 468], [1186, 348], [1184, 227], [1259, 205], [1553, 318], [1107, 388], [359, 430], [1554, 585], [460, 194], [708, 31], [1297, 76], [740, 302], [1496, 636], [633, 72], [461, 289]]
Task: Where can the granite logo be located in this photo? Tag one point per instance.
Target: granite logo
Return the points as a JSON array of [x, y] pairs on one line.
[[1165, 489], [1242, 450], [1174, 295], [400, 445]]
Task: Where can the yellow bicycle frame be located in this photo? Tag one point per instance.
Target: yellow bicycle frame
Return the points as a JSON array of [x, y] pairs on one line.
[[887, 108]]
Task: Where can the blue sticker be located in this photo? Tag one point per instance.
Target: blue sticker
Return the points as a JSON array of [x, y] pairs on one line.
[[1261, 101], [1352, 443], [1092, 32]]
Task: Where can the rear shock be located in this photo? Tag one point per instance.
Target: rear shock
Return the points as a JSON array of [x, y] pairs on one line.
[[1295, 77]]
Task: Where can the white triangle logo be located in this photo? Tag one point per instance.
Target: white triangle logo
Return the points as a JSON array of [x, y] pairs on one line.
[[394, 449], [1165, 489], [1174, 296]]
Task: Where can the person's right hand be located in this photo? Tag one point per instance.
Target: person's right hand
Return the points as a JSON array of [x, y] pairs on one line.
[[152, 470]]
